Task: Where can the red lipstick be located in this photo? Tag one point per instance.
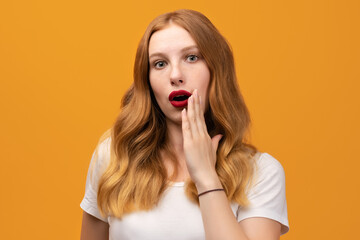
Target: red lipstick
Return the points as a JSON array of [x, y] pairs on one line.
[[179, 99]]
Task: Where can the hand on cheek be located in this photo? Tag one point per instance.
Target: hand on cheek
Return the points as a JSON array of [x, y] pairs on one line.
[[200, 149]]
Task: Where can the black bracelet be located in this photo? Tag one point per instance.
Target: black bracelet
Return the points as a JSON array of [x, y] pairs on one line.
[[212, 190]]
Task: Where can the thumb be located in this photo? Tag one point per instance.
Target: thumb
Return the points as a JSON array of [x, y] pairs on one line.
[[215, 141]]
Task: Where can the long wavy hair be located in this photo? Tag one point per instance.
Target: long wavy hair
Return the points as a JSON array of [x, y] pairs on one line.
[[136, 177]]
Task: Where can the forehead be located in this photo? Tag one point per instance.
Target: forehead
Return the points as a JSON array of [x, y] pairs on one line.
[[171, 38]]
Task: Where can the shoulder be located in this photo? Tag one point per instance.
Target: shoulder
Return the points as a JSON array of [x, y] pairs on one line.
[[103, 149], [268, 180], [100, 160], [268, 166], [266, 194]]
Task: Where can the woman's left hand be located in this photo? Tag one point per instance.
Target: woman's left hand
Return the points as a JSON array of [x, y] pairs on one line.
[[200, 149]]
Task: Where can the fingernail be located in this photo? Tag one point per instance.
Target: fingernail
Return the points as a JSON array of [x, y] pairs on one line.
[[196, 92]]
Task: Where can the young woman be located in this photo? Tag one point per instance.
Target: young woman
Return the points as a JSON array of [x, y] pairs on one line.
[[175, 165]]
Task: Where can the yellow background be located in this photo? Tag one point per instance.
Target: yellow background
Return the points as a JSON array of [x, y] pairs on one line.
[[64, 66]]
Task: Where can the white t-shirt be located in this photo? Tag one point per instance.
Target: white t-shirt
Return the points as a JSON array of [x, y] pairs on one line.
[[176, 217]]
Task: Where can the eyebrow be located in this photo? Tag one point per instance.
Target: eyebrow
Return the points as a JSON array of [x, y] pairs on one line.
[[182, 50]]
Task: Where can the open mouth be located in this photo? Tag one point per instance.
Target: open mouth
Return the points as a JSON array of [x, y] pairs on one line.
[[179, 98]]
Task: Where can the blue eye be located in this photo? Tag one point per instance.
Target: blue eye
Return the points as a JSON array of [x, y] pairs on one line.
[[160, 64], [192, 58]]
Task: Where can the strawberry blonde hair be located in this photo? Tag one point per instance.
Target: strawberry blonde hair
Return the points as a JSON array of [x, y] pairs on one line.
[[136, 177]]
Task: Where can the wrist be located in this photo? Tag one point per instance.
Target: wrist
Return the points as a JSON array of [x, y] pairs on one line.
[[210, 182]]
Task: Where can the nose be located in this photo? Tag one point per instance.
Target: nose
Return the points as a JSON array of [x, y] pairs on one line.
[[176, 75]]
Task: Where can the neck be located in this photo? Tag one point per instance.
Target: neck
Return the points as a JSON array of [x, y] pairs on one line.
[[175, 141], [175, 137]]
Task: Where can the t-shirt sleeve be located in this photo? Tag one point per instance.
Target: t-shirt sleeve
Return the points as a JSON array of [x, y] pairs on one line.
[[98, 164], [267, 195]]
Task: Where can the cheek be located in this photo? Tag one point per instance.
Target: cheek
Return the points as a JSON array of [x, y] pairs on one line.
[[156, 83], [204, 81], [158, 90], [203, 87], [204, 74]]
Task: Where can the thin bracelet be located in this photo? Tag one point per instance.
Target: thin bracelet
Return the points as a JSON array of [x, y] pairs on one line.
[[212, 190]]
